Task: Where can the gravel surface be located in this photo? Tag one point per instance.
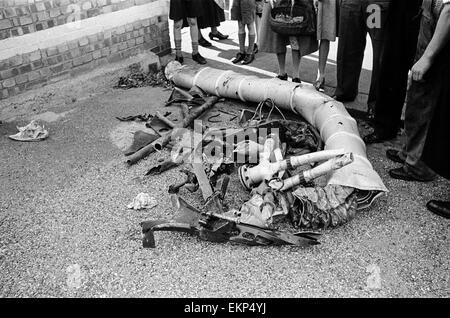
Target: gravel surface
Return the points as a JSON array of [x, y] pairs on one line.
[[65, 229]]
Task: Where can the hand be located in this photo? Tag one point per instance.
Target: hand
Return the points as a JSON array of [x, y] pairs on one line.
[[316, 4], [421, 68], [272, 3]]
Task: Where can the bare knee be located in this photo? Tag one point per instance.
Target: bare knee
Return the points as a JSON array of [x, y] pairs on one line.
[[178, 24], [192, 22], [241, 27], [251, 29]]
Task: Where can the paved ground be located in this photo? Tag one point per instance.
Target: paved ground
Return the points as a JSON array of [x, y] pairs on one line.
[[63, 213]]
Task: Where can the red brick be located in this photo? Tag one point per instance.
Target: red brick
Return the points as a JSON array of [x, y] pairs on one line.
[[5, 93], [42, 16], [121, 30], [9, 73], [114, 49], [131, 43], [5, 24], [83, 41], [139, 40], [36, 55], [52, 51], [22, 79], [17, 31], [56, 69], [67, 66], [86, 49], [37, 64], [72, 45], [62, 48], [105, 52], [25, 69], [137, 25], [92, 38], [54, 60], [96, 55], [33, 75], [87, 58], [45, 72], [78, 61], [25, 20], [55, 12], [9, 12]]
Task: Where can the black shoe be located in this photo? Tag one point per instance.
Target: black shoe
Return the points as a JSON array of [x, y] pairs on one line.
[[402, 174], [248, 59], [441, 208], [344, 99], [376, 137], [218, 35], [198, 58], [239, 58], [255, 48], [394, 155], [296, 80], [283, 77], [204, 43], [179, 59]]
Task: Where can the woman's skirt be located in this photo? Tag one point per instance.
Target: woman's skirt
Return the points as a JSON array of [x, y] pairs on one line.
[[327, 20], [272, 42], [211, 16], [182, 9]]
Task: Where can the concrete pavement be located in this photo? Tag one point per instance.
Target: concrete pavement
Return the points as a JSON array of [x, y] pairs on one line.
[[65, 229]]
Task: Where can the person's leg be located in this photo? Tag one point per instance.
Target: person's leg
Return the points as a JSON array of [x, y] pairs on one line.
[[201, 40], [194, 39], [377, 35], [194, 34], [177, 26], [257, 26], [281, 58], [399, 50], [324, 50], [417, 123], [296, 59], [419, 111], [250, 56], [351, 46], [241, 36]]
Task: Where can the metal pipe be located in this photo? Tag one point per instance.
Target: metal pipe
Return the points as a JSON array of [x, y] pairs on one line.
[[307, 176]]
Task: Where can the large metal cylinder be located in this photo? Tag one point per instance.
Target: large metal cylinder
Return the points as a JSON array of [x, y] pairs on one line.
[[337, 128]]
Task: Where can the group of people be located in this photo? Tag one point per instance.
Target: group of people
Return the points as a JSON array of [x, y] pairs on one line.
[[411, 64]]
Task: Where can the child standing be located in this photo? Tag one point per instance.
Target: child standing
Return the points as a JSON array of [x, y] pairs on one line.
[[244, 11], [189, 10]]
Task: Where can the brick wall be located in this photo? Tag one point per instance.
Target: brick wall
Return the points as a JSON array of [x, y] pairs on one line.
[[36, 67], [18, 17]]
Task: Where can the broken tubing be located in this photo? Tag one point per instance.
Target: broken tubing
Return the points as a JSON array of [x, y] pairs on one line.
[[337, 128]]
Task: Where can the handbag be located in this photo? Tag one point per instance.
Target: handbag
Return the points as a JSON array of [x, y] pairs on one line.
[[294, 18]]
